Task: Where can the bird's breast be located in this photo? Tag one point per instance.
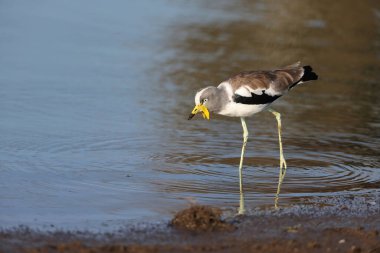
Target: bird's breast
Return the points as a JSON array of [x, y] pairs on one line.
[[233, 109]]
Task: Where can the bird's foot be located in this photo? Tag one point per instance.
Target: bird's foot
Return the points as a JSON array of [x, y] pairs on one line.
[[241, 211]]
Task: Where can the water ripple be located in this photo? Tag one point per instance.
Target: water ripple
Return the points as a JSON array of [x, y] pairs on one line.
[[213, 172]]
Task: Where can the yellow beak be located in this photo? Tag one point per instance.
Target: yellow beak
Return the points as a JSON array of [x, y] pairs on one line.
[[200, 108]]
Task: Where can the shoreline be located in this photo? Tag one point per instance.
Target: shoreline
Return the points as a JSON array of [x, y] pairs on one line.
[[337, 224]]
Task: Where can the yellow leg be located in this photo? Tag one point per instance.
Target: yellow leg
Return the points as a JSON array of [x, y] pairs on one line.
[[245, 139], [282, 159]]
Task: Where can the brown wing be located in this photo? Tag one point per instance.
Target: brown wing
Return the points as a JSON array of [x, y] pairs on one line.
[[280, 80]]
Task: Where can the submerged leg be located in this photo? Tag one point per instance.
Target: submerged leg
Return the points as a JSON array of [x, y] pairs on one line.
[[282, 159], [245, 138]]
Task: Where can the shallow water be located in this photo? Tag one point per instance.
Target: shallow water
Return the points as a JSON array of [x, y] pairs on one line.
[[95, 96]]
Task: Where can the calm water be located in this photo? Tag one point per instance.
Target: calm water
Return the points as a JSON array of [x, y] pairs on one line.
[[95, 96]]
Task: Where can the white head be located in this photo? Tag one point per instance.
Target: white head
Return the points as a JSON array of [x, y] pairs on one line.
[[208, 99]]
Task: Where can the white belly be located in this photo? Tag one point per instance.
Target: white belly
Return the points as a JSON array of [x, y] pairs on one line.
[[241, 110]]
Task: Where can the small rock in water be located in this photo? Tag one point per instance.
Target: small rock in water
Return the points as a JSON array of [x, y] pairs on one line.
[[342, 241]]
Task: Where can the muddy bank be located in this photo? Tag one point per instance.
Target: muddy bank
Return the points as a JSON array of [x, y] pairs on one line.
[[344, 224]]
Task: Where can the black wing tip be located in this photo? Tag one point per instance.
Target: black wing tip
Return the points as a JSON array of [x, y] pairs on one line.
[[308, 74], [255, 99]]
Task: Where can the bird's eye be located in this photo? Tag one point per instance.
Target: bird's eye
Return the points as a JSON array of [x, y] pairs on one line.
[[205, 100]]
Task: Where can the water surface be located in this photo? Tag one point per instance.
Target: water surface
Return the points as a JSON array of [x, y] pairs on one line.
[[95, 96]]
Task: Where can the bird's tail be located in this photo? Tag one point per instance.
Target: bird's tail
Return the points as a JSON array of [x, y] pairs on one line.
[[308, 74]]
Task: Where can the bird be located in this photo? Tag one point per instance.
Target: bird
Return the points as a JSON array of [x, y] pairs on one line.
[[248, 93]]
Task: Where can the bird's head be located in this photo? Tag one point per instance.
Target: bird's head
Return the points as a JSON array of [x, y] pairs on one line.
[[206, 100]]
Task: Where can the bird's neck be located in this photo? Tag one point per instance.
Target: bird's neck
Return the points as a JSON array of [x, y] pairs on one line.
[[222, 96]]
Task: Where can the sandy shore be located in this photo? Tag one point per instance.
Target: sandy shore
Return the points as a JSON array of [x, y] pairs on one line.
[[341, 224]]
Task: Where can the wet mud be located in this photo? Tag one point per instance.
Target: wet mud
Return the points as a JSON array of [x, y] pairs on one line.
[[342, 224], [200, 219]]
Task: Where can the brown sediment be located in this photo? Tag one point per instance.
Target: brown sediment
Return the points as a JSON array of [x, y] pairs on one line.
[[305, 239], [201, 218], [317, 228]]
